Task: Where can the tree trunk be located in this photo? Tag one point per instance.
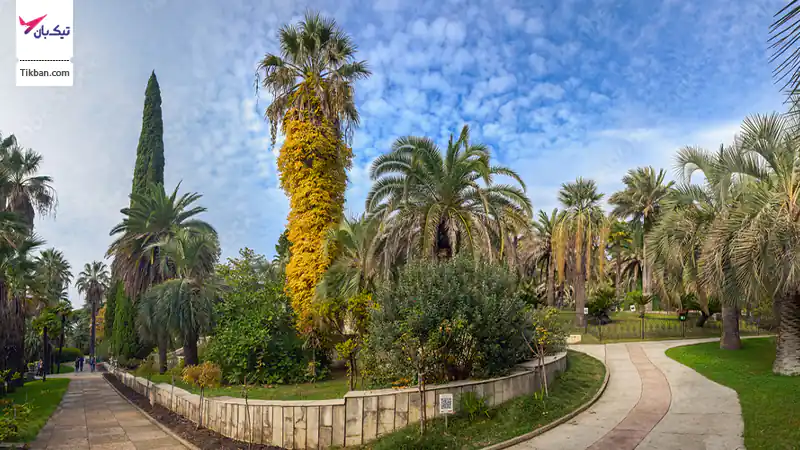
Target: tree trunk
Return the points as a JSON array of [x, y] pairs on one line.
[[423, 414], [730, 329], [701, 320], [580, 290], [5, 328], [618, 279], [162, 354], [787, 352], [17, 336], [646, 288], [45, 354], [190, 350], [352, 363], [94, 323], [61, 343], [551, 282]]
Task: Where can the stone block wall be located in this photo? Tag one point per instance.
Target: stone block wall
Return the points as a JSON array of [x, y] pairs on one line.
[[359, 417]]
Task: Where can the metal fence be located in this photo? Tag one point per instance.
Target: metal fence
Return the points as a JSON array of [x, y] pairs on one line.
[[630, 326]]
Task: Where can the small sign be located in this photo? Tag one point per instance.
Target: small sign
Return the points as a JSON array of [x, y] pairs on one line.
[[633, 308], [446, 404], [682, 317], [586, 310]]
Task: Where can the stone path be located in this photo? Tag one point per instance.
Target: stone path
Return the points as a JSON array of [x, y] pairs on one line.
[[93, 416], [651, 403]]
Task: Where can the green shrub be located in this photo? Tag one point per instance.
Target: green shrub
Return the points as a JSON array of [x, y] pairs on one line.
[[473, 406], [255, 336], [68, 354], [465, 316]]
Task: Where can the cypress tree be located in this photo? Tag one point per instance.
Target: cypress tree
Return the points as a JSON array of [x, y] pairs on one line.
[[150, 151]]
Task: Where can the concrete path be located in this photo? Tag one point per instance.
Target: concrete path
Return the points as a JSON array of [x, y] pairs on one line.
[[651, 403], [93, 416]]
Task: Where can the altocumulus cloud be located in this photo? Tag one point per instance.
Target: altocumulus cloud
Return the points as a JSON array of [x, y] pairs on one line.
[[559, 89]]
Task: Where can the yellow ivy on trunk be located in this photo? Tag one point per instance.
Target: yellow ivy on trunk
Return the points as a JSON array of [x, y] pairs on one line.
[[312, 163]]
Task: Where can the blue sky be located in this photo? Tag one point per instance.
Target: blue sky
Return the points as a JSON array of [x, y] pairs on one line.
[[557, 88]]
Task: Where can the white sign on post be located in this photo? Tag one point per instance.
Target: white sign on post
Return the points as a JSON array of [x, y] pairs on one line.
[[446, 404], [586, 310], [633, 308]]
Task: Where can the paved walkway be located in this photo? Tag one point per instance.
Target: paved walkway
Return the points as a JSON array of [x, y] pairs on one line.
[[93, 416], [651, 403]]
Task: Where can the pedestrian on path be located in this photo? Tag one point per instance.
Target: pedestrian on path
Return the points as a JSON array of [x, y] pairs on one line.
[[91, 363], [81, 361]]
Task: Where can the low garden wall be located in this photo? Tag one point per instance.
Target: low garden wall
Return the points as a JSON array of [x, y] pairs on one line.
[[359, 417]]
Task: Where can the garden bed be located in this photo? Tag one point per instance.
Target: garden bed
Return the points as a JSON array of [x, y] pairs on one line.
[[574, 387], [186, 429]]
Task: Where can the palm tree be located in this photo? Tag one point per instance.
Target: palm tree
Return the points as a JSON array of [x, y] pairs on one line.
[[154, 218], [785, 32], [439, 203], [185, 301], [619, 240], [19, 290], [354, 247], [640, 201], [536, 249], [64, 312], [580, 236], [23, 191], [753, 250], [93, 281], [316, 65], [54, 271]]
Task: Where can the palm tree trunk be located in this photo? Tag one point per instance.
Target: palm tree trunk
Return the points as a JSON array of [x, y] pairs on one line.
[[45, 354], [162, 353], [551, 282], [618, 279], [730, 329], [787, 352], [17, 351], [580, 290], [61, 343], [646, 275], [190, 349], [6, 320]]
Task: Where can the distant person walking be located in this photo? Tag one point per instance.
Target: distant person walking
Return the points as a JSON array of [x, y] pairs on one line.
[[81, 361], [77, 363], [92, 363]]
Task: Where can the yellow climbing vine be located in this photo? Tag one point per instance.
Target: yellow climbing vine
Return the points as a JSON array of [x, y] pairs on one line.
[[312, 163]]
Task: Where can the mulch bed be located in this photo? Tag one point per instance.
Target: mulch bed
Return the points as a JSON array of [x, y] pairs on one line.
[[202, 438]]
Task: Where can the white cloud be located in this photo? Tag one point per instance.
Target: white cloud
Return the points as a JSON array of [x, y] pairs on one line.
[[534, 25]]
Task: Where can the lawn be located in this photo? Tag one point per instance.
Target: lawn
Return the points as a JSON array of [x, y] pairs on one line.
[[516, 417], [44, 397], [64, 369], [335, 387], [769, 402]]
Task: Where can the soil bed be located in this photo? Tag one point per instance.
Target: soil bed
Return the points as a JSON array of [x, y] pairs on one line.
[[186, 429]]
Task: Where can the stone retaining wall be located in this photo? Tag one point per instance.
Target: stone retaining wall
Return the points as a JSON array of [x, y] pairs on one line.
[[359, 417]]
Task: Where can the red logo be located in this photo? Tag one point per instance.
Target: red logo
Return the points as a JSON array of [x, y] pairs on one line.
[[32, 24]]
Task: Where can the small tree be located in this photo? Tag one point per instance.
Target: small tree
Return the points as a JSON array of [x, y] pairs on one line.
[[348, 321], [547, 336], [206, 375], [638, 299]]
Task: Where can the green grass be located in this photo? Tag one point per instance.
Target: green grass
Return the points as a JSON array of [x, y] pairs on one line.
[[769, 402], [44, 397], [64, 368], [336, 387], [519, 416]]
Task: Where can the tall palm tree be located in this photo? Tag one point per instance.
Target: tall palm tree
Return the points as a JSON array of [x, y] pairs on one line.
[[185, 301], [64, 313], [640, 201], [439, 203], [619, 239], [316, 65], [24, 191], [155, 217], [93, 282], [54, 271], [580, 236]]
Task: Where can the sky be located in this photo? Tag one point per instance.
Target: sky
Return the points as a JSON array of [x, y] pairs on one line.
[[556, 88]]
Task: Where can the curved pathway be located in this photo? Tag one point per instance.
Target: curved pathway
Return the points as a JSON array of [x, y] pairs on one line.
[[651, 403], [92, 416]]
